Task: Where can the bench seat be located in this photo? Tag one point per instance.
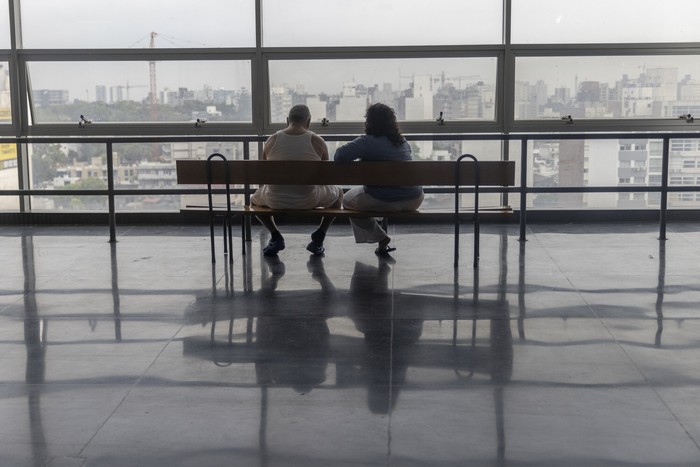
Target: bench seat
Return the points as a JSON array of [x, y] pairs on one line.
[[216, 170]]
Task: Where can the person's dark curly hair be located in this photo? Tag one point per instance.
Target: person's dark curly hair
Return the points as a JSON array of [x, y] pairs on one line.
[[380, 120]]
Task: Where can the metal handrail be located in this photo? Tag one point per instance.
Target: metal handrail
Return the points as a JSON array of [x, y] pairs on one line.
[[522, 189]]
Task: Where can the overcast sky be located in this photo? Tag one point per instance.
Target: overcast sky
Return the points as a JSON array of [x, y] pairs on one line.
[[230, 23]]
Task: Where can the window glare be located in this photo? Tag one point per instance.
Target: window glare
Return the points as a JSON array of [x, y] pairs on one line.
[[330, 23], [129, 23], [603, 21]]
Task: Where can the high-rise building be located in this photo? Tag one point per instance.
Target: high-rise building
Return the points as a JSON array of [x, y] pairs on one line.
[[49, 97], [101, 93]]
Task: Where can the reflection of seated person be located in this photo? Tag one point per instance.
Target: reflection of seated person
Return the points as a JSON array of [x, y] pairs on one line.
[[292, 349], [387, 340], [292, 352]]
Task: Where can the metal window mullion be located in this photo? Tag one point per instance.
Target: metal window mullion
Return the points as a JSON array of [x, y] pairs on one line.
[[260, 98], [663, 207], [523, 189], [110, 194]]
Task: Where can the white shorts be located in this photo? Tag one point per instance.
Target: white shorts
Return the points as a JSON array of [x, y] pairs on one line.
[[297, 197]]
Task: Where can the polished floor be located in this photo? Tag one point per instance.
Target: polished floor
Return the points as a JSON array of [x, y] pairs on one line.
[[579, 347]]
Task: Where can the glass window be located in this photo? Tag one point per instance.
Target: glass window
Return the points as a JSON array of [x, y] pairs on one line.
[[151, 166], [330, 23], [4, 27], [5, 107], [8, 176], [138, 24], [418, 89], [121, 91], [607, 87], [55, 167], [581, 163], [603, 21], [683, 145]]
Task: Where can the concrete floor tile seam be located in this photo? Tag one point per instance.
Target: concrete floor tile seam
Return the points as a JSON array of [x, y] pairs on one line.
[[132, 387], [679, 419], [609, 332]]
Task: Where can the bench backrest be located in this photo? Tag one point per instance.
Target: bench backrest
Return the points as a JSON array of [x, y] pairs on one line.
[[428, 173]]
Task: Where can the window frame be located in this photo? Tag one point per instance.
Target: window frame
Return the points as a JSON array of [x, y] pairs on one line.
[[359, 53], [132, 128], [592, 125]]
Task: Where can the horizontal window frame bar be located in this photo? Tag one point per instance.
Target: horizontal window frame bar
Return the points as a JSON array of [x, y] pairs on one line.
[[515, 136], [583, 50], [427, 189], [111, 55]]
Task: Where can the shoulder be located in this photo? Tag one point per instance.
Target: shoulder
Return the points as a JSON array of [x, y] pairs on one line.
[[316, 138], [318, 142], [362, 141]]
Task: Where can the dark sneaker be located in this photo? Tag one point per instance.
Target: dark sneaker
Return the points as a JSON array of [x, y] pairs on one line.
[[273, 247], [315, 248], [384, 250]]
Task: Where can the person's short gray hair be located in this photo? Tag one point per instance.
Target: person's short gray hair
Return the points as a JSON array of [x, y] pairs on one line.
[[299, 114]]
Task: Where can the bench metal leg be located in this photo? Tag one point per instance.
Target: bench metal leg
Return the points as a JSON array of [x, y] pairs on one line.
[[211, 238], [244, 224], [229, 221], [225, 237], [476, 209], [476, 241]]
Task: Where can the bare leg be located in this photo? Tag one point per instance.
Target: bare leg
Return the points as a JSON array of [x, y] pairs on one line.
[[319, 235], [325, 224], [269, 223], [276, 243]]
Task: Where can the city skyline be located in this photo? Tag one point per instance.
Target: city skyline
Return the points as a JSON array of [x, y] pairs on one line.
[[667, 85]]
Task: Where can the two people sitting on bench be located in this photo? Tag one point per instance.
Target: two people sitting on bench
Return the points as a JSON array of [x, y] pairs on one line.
[[296, 142], [382, 141]]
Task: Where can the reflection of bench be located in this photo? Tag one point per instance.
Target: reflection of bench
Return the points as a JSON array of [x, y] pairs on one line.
[[454, 174], [296, 315]]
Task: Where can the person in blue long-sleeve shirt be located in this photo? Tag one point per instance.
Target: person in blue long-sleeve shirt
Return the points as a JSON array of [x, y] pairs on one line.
[[382, 141]]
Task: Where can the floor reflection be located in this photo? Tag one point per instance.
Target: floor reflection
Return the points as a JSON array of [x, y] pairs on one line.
[[34, 339], [300, 333], [290, 344]]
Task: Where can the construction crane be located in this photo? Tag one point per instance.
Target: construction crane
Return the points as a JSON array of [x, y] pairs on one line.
[[132, 86], [153, 88], [152, 73]]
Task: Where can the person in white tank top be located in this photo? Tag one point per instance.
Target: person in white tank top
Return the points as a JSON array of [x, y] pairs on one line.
[[296, 142]]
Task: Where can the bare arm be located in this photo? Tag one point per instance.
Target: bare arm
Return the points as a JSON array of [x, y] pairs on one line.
[[268, 146], [320, 147]]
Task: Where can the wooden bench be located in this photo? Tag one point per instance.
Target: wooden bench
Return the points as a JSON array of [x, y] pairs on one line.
[[216, 170]]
